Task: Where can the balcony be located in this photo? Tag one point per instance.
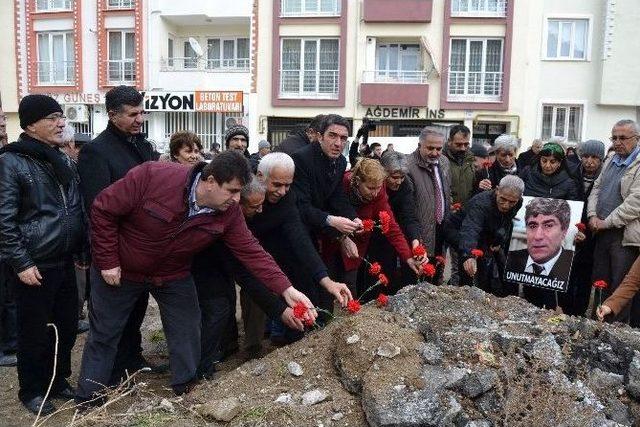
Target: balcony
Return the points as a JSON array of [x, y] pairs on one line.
[[56, 73], [394, 87], [309, 84], [121, 71], [189, 13], [468, 86], [478, 8], [210, 74], [314, 9], [398, 10]]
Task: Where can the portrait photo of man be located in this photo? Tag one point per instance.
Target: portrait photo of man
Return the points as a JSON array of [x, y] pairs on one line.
[[546, 225]]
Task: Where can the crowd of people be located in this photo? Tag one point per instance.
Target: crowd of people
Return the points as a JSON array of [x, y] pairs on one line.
[[110, 221]]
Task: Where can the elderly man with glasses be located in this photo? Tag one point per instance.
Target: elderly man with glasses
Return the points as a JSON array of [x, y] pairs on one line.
[[614, 213], [42, 230]]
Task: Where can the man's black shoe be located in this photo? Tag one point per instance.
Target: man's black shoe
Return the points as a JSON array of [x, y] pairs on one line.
[[8, 360], [34, 404], [66, 393]]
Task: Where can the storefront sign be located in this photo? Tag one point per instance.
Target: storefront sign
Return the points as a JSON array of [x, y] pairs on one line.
[[78, 98], [404, 113], [201, 101]]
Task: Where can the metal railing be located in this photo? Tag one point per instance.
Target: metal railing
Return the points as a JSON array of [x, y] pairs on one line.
[[121, 4], [309, 83], [121, 71], [475, 86], [56, 72], [203, 64], [53, 5], [394, 76], [287, 12], [482, 8]]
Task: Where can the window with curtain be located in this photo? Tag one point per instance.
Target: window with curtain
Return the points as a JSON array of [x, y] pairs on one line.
[[398, 62], [190, 57], [309, 67], [228, 53], [121, 62], [475, 8], [170, 52], [567, 38], [562, 120], [56, 60], [53, 5], [310, 8], [475, 72]]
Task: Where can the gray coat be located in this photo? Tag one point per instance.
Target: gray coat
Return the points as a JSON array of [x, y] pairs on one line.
[[425, 197]]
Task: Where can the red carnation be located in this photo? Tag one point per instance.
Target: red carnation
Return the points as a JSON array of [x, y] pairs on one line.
[[383, 279], [600, 284], [299, 310], [368, 224], [382, 300], [375, 269], [440, 260], [487, 164], [385, 221], [456, 206], [419, 251], [581, 227], [477, 253], [428, 269], [353, 306]]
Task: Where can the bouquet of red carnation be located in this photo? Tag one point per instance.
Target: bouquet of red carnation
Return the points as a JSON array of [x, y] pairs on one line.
[[382, 300], [353, 306], [419, 251], [581, 227], [428, 270], [368, 225], [477, 253], [600, 285]]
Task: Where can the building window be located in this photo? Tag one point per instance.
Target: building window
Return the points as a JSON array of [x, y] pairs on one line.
[[121, 4], [309, 68], [170, 52], [562, 120], [475, 70], [291, 8], [53, 5], [190, 56], [398, 62], [567, 38], [208, 126], [56, 63], [228, 54], [122, 67], [479, 8]]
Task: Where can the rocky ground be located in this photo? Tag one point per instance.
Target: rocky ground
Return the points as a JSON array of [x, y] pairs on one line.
[[435, 356]]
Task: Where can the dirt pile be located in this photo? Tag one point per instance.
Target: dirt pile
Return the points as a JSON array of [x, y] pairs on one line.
[[438, 356]]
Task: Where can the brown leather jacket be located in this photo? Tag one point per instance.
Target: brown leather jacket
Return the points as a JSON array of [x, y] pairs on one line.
[[627, 289]]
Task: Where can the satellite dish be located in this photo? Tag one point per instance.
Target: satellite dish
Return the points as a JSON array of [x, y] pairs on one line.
[[230, 121], [196, 47]]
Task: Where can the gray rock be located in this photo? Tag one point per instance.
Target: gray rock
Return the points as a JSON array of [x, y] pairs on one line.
[[220, 410], [476, 383], [546, 350], [430, 352], [508, 342], [259, 368], [478, 423], [314, 396], [477, 294], [633, 376], [619, 412], [488, 403], [295, 369], [353, 339], [605, 381], [403, 304], [284, 398], [337, 416], [427, 331], [388, 350]]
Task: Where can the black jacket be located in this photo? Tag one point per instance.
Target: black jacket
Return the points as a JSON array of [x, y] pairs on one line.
[[41, 222], [495, 173], [479, 224], [108, 158], [292, 143], [318, 187], [560, 185], [254, 161], [525, 159], [404, 209]]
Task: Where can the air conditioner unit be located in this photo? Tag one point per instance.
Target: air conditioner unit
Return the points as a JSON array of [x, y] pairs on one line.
[[76, 113]]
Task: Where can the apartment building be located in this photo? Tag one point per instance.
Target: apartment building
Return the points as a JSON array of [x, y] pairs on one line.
[[532, 69]]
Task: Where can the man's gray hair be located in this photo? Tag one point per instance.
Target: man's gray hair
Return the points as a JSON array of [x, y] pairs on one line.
[[505, 142], [428, 130], [276, 160], [253, 187], [628, 122], [512, 183], [393, 161], [554, 207]]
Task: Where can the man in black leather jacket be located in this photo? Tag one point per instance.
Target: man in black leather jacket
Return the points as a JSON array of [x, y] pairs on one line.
[[41, 229], [103, 161]]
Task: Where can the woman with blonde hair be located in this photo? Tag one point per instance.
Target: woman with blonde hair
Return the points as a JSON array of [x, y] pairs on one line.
[[364, 187]]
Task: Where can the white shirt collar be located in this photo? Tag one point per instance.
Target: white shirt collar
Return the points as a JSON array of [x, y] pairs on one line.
[[546, 267]]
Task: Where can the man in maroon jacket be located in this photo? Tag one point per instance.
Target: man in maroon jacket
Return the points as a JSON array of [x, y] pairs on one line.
[[145, 229]]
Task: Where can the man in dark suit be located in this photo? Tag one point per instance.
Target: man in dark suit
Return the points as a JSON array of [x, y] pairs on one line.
[[547, 223], [103, 161]]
